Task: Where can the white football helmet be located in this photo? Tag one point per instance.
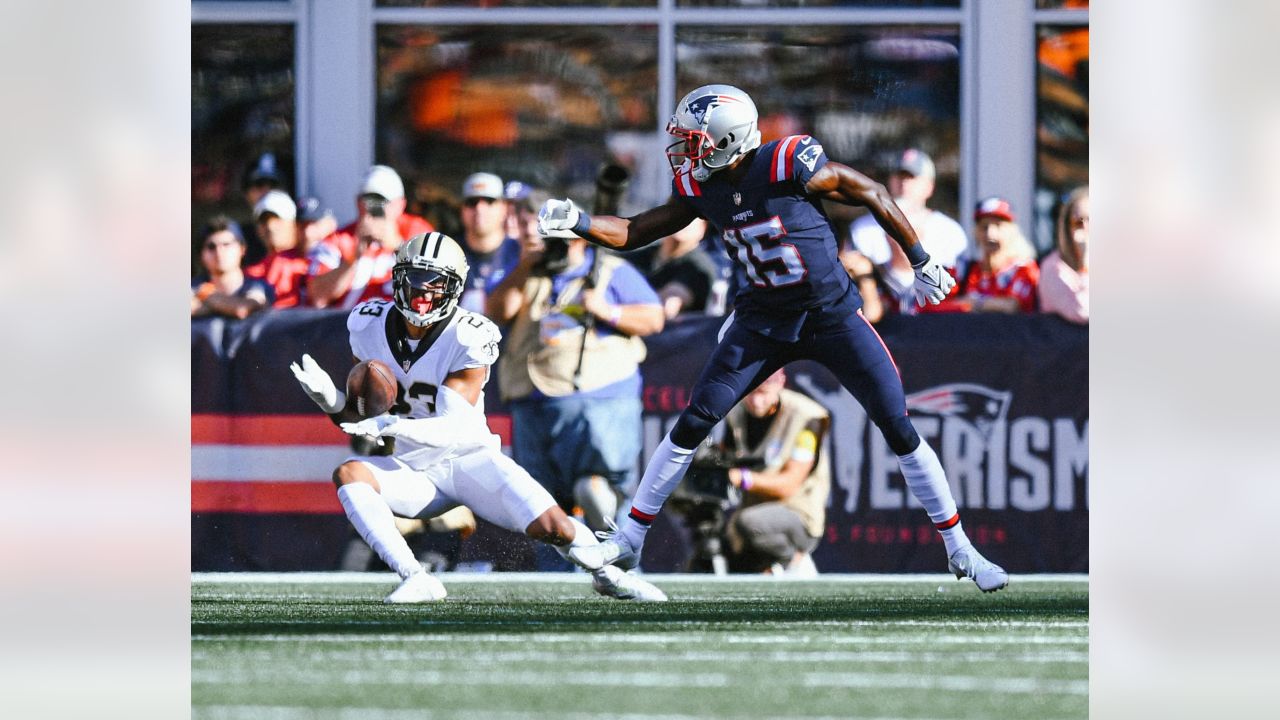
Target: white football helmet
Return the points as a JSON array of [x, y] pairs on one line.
[[714, 125], [428, 277]]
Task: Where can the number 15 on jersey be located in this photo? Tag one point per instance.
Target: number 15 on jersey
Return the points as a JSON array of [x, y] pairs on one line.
[[769, 262]]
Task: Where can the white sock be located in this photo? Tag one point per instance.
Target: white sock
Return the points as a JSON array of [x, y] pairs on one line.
[[661, 476], [927, 481], [582, 537], [373, 520]]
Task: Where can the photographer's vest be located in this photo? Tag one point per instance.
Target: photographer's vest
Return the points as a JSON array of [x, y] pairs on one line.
[[527, 363], [795, 412]]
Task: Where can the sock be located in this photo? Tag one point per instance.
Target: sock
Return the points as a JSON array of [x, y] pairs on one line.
[[582, 536], [928, 483], [372, 518], [953, 534], [661, 476]]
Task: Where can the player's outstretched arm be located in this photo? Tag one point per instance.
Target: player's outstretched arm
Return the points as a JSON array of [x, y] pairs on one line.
[[558, 216], [318, 386], [843, 184]]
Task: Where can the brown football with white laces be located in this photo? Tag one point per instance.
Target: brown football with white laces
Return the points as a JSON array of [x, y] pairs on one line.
[[371, 388]]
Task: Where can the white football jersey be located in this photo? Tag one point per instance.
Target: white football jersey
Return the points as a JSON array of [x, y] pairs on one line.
[[465, 340]]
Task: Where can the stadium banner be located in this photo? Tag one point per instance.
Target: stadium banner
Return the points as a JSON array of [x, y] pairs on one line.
[[1002, 399]]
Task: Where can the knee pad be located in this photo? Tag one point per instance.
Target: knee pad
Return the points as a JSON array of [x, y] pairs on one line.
[[899, 434]]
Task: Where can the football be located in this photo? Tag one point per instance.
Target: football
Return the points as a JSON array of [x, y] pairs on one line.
[[372, 386]]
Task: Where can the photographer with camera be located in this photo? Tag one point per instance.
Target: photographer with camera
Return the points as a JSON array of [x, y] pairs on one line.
[[770, 446], [571, 369], [354, 263]]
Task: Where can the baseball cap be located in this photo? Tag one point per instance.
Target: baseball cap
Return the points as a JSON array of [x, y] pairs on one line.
[[914, 162], [383, 181], [264, 170], [278, 203], [993, 207], [482, 184], [311, 209]]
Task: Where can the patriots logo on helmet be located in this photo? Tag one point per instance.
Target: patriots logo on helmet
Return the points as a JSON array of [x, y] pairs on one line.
[[699, 107], [978, 404]]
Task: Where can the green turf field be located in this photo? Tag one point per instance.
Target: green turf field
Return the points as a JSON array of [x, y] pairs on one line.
[[324, 646]]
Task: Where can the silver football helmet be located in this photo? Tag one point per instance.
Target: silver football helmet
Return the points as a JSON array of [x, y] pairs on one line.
[[428, 277], [714, 126]]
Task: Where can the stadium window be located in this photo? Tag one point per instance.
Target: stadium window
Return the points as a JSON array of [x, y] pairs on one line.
[[898, 87], [242, 105], [513, 3], [894, 4], [1062, 120], [546, 108]]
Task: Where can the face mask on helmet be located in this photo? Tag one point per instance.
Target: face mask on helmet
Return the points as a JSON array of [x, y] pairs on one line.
[[425, 295], [713, 126]]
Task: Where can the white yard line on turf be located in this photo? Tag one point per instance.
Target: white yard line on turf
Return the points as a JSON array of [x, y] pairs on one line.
[[360, 578], [306, 712], [540, 656], [419, 677], [660, 639], [954, 683]]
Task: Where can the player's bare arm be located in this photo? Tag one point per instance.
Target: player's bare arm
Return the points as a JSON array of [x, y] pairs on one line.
[[843, 184], [468, 382], [614, 232]]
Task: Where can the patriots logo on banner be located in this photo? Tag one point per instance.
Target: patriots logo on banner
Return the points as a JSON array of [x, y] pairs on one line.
[[978, 404], [809, 156]]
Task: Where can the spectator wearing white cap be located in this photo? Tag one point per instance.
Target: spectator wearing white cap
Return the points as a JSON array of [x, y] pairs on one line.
[[1005, 276], [354, 264], [223, 289], [911, 181], [490, 252], [285, 266]]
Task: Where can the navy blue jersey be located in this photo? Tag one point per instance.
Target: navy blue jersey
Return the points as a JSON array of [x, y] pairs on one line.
[[781, 240]]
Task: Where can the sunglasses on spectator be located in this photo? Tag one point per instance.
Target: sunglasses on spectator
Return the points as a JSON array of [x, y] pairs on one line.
[[474, 201]]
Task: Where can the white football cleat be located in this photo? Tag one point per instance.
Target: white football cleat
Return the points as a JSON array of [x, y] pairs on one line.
[[967, 562], [418, 588], [613, 549], [612, 581]]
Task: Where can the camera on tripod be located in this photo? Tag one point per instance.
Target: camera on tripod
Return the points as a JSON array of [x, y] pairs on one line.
[[705, 498]]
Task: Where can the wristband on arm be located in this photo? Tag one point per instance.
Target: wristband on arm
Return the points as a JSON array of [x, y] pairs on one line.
[[746, 479], [916, 255], [583, 225]]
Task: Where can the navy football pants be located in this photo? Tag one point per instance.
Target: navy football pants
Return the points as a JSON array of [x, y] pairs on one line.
[[842, 341]]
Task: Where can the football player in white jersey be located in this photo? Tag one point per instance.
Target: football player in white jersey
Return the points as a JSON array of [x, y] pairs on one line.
[[445, 455]]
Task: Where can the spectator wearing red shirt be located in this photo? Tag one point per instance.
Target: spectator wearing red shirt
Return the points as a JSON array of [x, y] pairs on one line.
[[1005, 275], [285, 266], [354, 264]]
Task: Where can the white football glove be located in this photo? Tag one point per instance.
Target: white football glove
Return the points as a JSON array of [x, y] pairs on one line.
[[318, 385], [932, 284], [372, 427], [557, 218]]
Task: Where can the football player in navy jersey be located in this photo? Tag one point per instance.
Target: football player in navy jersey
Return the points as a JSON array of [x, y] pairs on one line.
[[797, 301]]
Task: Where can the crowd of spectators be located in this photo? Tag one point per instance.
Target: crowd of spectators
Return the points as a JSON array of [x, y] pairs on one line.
[[573, 317]]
